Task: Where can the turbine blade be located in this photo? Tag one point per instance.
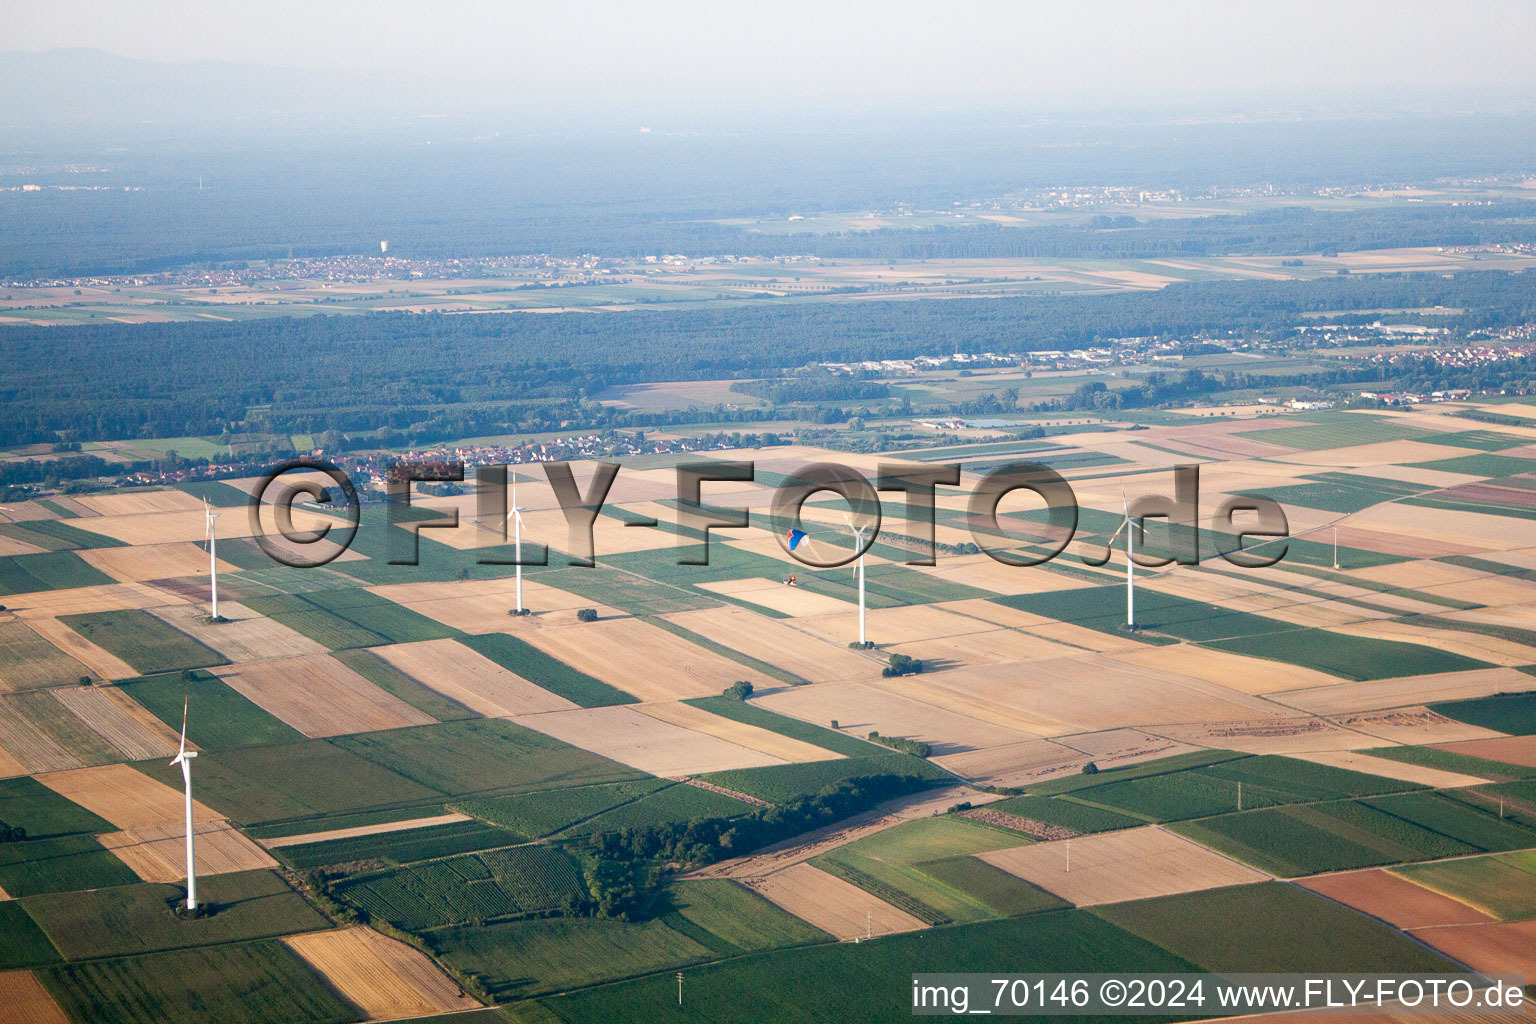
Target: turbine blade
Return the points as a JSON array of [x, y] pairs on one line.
[[182, 753]]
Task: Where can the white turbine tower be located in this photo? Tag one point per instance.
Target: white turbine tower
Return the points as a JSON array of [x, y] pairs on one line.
[[858, 544], [1130, 560], [213, 565], [184, 758], [516, 513]]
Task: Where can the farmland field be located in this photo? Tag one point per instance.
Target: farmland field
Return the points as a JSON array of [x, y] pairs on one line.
[[391, 680], [28, 661], [52, 570], [59, 864], [245, 983], [470, 888], [536, 814], [1503, 885], [400, 847], [678, 803], [787, 782], [143, 641], [481, 755], [138, 919], [729, 919], [542, 670], [1512, 713], [1270, 927], [868, 982], [25, 944], [219, 717]]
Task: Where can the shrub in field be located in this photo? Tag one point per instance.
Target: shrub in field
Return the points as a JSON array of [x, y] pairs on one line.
[[903, 665], [741, 690], [586, 615]]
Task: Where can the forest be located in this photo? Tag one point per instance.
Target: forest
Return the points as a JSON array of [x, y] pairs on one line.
[[430, 377]]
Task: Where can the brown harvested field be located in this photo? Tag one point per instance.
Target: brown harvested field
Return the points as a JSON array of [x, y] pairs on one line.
[[481, 606], [1234, 671], [118, 719], [1394, 899], [98, 660], [1015, 764], [141, 502], [9, 766], [171, 527], [1049, 698], [1452, 526], [158, 853], [385, 978], [649, 744], [986, 573], [1406, 691], [1375, 454], [28, 746], [1419, 574], [108, 597], [839, 908], [989, 646], [777, 643], [1415, 726], [127, 798], [319, 696], [698, 720], [1271, 735], [1387, 768], [1112, 867], [1509, 749], [470, 678], [1489, 948], [153, 562], [771, 593], [363, 830], [1116, 748], [908, 623], [860, 708], [10, 546], [246, 637], [23, 1000], [1066, 633], [642, 659], [28, 661]]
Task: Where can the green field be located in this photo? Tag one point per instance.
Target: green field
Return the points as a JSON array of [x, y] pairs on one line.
[[1266, 780], [330, 631], [1005, 894], [536, 814], [63, 533], [225, 718], [139, 918], [292, 780], [1504, 884], [1429, 757], [1157, 766], [1342, 492], [27, 661], [52, 570], [25, 944], [552, 674], [1303, 840], [143, 641], [785, 783], [1271, 927], [29, 804], [1484, 465], [400, 847], [678, 804], [1483, 440], [218, 493], [528, 957], [1344, 431], [864, 982], [1514, 713], [390, 679], [887, 865], [1066, 813], [472, 888], [751, 714], [730, 920], [396, 623], [246, 983], [482, 755], [59, 864], [1351, 657]]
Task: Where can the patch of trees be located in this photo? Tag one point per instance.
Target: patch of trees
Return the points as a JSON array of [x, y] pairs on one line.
[[916, 748], [902, 665], [824, 387]]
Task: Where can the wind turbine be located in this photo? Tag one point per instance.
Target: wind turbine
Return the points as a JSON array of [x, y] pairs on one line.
[[858, 538], [1130, 560], [517, 514], [213, 567], [184, 758]]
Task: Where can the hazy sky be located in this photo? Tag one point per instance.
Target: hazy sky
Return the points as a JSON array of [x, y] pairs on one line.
[[837, 55]]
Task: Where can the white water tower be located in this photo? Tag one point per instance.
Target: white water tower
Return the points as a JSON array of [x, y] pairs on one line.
[[383, 247]]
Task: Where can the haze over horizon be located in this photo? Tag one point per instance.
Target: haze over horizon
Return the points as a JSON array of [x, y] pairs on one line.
[[682, 60]]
